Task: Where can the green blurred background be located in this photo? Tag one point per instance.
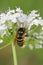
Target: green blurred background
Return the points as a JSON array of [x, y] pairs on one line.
[[24, 56]]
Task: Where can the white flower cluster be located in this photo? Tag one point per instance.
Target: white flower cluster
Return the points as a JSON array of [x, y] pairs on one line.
[[18, 16], [13, 15]]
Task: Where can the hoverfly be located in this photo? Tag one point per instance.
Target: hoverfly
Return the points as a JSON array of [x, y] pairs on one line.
[[21, 33]]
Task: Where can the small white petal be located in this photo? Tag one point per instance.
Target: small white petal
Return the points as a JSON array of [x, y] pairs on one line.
[[1, 41], [30, 25], [40, 18], [3, 27], [42, 28], [40, 46], [36, 21], [31, 46], [17, 15], [34, 11], [14, 20], [2, 18], [19, 10], [10, 12], [22, 18], [41, 42]]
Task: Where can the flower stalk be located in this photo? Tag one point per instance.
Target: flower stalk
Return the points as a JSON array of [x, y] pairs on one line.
[[14, 54]]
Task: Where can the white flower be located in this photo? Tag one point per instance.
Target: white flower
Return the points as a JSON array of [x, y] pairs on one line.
[[42, 28], [18, 10], [2, 18], [34, 13], [1, 41], [12, 17], [41, 42], [3, 30], [31, 46], [10, 12], [3, 27], [32, 16], [22, 18], [38, 21]]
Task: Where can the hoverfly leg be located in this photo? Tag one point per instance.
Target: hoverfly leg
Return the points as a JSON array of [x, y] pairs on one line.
[[26, 35]]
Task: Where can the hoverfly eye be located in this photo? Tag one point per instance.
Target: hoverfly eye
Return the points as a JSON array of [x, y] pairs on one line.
[[20, 32]]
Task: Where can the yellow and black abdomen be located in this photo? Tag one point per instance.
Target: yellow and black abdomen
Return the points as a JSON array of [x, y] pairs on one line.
[[20, 41]]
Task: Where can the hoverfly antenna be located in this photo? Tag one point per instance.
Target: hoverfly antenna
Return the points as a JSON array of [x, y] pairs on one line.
[[21, 25]]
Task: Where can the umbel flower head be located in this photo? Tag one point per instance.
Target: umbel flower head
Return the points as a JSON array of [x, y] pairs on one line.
[[13, 19]]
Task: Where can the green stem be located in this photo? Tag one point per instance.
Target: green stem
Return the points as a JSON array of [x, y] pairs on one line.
[[14, 54]]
